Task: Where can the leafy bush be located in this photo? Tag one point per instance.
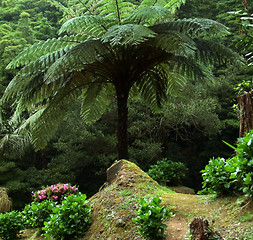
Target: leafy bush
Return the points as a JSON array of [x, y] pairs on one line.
[[234, 175], [35, 214], [167, 172], [11, 224], [70, 219], [55, 193], [150, 218], [216, 177]]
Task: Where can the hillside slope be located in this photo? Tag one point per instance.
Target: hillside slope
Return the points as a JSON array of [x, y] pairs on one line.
[[114, 207], [115, 204]]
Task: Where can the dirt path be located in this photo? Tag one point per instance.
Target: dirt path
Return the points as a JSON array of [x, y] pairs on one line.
[[177, 228]]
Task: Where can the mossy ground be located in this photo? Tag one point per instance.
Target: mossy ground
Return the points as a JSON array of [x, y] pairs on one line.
[[233, 217]]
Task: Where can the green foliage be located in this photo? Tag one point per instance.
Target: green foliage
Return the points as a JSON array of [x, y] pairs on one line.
[[216, 177], [11, 223], [150, 218], [70, 220], [167, 172], [35, 214], [154, 57], [234, 175]]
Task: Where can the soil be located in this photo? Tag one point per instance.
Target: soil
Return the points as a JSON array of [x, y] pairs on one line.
[[177, 228]]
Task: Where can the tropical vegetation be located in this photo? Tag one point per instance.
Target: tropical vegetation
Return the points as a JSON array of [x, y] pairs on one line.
[[115, 49]]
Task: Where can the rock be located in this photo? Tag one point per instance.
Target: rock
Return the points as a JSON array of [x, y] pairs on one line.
[[113, 171], [5, 202], [120, 222]]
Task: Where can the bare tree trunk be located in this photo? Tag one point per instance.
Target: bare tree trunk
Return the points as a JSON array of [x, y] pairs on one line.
[[122, 125], [245, 104]]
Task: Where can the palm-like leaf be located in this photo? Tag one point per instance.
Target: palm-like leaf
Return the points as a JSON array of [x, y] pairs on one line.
[[118, 47], [149, 15], [128, 34]]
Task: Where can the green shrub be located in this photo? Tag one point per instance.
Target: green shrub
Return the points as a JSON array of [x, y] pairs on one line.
[[70, 219], [35, 214], [55, 193], [11, 224], [167, 172], [217, 177], [150, 218], [234, 175]]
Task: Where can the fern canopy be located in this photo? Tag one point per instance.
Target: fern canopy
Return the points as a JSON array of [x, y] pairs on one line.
[[117, 48]]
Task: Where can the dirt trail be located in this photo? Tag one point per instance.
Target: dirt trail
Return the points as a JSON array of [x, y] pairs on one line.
[[177, 228]]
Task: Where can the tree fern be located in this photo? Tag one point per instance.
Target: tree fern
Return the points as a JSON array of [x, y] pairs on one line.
[[116, 47]]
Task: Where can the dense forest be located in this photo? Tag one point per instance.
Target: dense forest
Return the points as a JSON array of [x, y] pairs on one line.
[[146, 103], [188, 128]]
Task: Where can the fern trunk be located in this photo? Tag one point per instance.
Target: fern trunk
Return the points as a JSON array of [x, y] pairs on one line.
[[122, 98], [245, 104]]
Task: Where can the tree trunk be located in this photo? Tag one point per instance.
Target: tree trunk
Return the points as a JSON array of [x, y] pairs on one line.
[[245, 104], [122, 98]]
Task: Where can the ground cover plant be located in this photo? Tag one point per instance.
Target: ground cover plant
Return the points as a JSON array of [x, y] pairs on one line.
[[37, 213], [151, 216], [11, 223], [233, 175], [70, 219]]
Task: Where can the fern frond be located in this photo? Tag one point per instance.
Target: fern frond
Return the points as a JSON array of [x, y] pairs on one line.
[[171, 5], [62, 8], [174, 42], [95, 26], [76, 59], [29, 122], [47, 124], [210, 51], [14, 144], [95, 101], [176, 81], [51, 48], [194, 27], [153, 87], [189, 68], [31, 72], [128, 34], [114, 9], [149, 15]]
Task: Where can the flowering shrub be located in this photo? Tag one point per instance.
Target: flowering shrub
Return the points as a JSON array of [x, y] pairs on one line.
[[55, 193]]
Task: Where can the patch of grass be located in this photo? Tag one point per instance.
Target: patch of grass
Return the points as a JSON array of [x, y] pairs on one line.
[[125, 192], [246, 218]]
